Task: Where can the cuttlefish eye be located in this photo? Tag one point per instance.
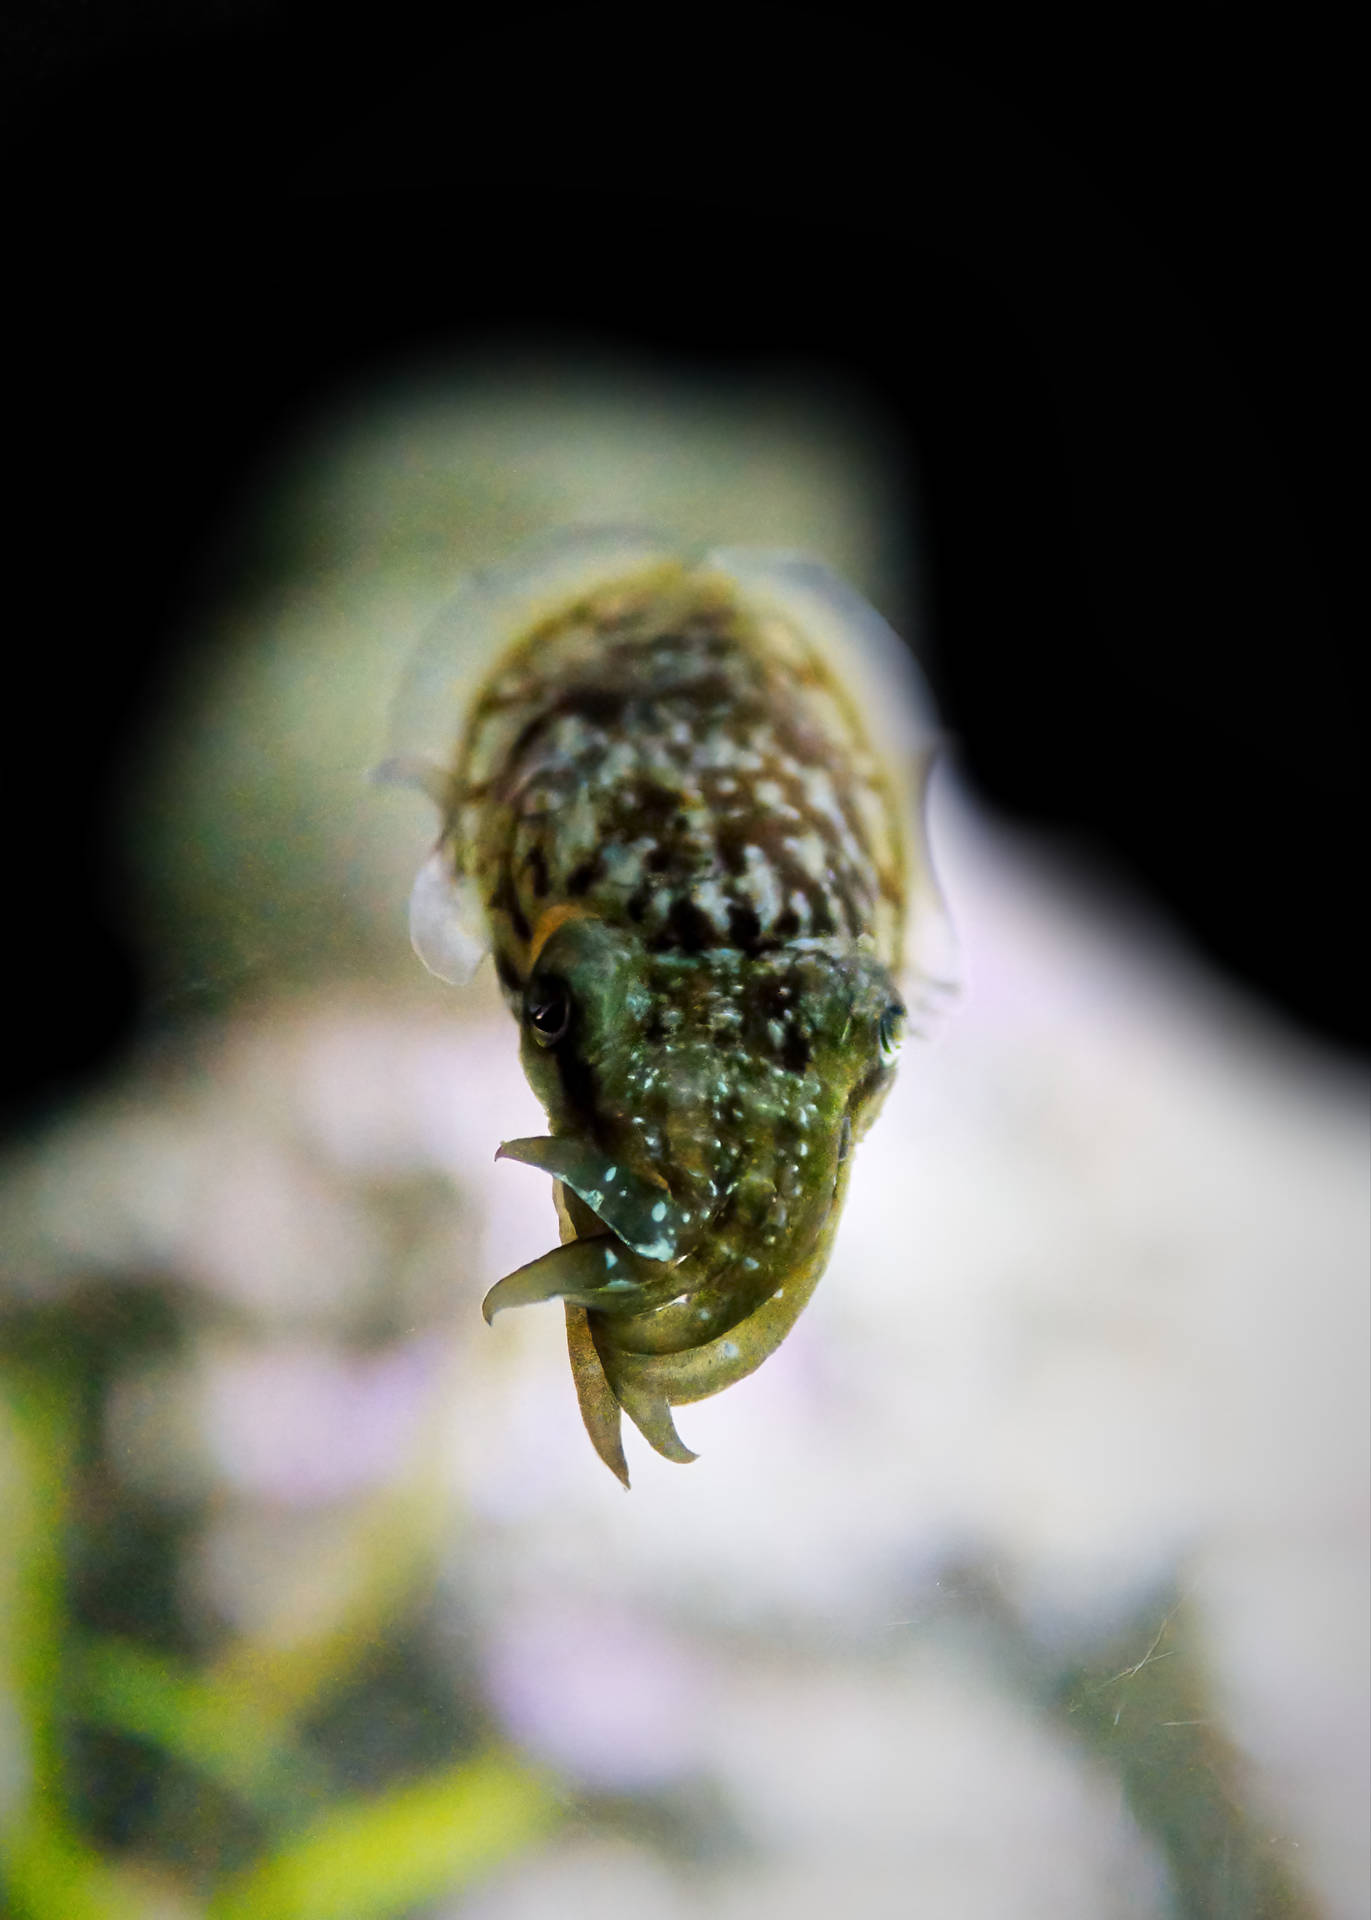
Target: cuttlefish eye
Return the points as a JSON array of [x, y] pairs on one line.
[[891, 1030], [547, 1006]]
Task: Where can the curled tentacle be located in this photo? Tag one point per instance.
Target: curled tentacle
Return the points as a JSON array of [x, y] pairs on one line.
[[694, 1312], [648, 1384]]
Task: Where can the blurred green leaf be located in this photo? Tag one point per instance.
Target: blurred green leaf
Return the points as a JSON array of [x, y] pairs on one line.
[[130, 1690], [278, 1676], [36, 1446], [51, 1875], [375, 1858]]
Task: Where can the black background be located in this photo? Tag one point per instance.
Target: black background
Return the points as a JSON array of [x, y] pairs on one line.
[[1095, 286]]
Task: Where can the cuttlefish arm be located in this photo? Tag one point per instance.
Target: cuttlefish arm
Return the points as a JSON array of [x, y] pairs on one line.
[[608, 1283], [599, 1272], [600, 1411], [601, 1414], [644, 1216], [648, 1385], [593, 1269]]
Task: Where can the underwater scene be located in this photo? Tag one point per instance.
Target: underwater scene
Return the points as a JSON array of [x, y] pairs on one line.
[[980, 1279]]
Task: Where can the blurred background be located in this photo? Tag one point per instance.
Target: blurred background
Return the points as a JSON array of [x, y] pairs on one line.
[[1030, 1578]]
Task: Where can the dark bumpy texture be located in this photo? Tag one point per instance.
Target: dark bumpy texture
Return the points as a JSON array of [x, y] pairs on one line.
[[691, 867]]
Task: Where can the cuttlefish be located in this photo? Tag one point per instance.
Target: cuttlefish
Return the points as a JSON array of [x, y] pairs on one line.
[[682, 805]]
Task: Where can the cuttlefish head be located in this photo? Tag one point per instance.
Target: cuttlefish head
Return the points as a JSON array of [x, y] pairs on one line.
[[702, 1107]]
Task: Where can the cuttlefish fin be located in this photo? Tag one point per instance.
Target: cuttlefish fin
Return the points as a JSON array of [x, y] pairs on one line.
[[447, 926], [416, 771], [599, 1409]]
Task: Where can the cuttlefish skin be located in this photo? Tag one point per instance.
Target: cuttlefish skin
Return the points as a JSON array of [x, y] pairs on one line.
[[691, 865]]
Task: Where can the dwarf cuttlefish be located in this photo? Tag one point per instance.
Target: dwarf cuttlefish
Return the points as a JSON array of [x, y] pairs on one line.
[[682, 804]]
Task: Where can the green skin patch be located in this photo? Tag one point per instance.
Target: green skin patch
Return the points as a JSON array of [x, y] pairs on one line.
[[708, 1170]]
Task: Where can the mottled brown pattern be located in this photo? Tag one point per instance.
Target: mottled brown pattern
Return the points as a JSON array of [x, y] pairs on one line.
[[650, 754]]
